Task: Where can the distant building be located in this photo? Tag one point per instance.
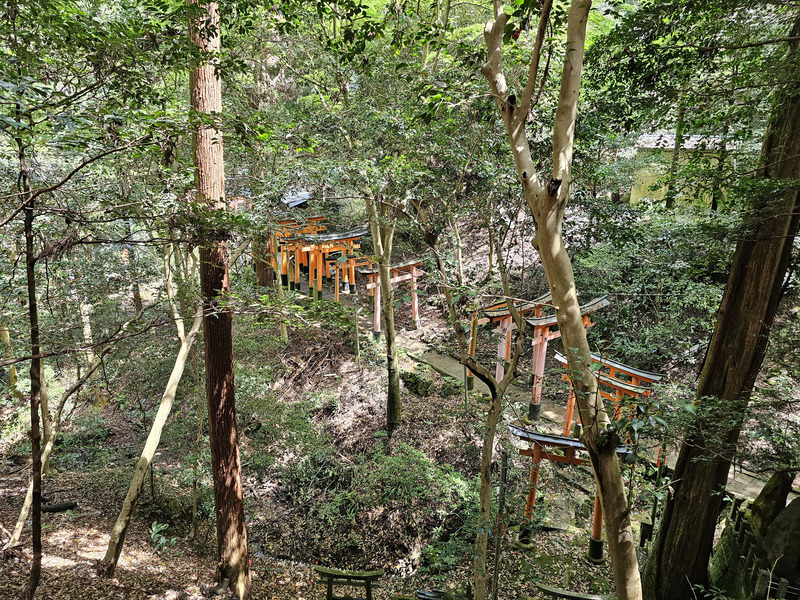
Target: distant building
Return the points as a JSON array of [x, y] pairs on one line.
[[654, 155]]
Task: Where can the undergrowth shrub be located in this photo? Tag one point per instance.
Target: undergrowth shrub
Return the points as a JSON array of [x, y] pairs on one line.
[[383, 506]]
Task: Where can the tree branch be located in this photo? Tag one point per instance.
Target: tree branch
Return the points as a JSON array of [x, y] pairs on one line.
[[533, 71]]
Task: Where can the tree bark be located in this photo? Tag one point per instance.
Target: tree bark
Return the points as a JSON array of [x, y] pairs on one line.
[[733, 360], [677, 148], [262, 257], [206, 99], [117, 538], [382, 237], [284, 333], [547, 202], [5, 339], [49, 444], [493, 411], [36, 378]]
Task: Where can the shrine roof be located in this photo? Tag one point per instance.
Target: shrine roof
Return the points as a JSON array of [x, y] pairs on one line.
[[403, 265], [337, 236], [619, 367], [586, 309], [500, 310], [546, 439]]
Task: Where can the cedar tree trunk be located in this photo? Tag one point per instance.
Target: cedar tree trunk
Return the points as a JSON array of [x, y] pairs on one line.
[[733, 360], [206, 99]]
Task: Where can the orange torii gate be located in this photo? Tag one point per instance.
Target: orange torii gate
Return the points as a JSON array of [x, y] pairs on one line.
[[543, 332], [407, 271], [317, 247], [622, 381], [616, 382], [287, 229], [562, 449], [342, 272], [500, 314]]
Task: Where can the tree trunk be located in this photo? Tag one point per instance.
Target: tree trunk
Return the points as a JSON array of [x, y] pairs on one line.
[[393, 403], [547, 203], [49, 444], [117, 538], [284, 333], [36, 378], [733, 360], [262, 257], [677, 148], [493, 411], [382, 237], [480, 576], [5, 339], [206, 98]]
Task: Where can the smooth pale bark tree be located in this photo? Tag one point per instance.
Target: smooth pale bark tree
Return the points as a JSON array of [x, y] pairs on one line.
[[734, 357], [186, 340], [206, 100], [547, 200], [382, 230], [50, 438], [5, 339], [677, 148], [284, 332], [497, 389]]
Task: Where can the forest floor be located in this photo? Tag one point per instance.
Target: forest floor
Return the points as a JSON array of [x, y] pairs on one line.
[[284, 544]]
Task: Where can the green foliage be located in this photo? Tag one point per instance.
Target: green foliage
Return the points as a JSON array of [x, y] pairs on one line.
[[422, 381], [390, 499], [82, 445], [159, 541], [665, 274], [418, 383]]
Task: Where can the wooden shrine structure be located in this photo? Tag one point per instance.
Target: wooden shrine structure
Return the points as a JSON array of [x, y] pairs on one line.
[[616, 381], [561, 449], [312, 251], [304, 247], [500, 315], [544, 331], [406, 271]]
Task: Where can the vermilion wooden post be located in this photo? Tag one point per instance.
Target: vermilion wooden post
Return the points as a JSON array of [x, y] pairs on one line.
[[297, 254], [539, 354], [284, 267], [596, 543], [570, 412], [530, 500], [414, 299], [311, 265], [318, 274], [336, 283], [352, 277]]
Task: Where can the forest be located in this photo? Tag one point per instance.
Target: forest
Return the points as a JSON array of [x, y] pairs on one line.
[[400, 299]]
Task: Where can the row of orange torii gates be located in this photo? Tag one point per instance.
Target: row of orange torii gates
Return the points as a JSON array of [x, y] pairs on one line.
[[302, 247]]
